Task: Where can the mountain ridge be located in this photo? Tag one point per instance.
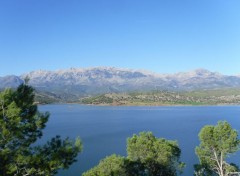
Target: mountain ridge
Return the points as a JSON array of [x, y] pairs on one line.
[[80, 82]]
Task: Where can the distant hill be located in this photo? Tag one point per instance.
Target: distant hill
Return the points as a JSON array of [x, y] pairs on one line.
[[10, 81], [47, 98], [213, 97], [72, 84]]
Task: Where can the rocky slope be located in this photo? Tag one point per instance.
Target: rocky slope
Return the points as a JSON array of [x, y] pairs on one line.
[[78, 82], [10, 81]]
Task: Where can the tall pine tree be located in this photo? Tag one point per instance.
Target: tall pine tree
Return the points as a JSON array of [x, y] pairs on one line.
[[21, 125]]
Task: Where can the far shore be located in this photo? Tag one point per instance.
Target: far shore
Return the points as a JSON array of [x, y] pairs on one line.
[[137, 104]]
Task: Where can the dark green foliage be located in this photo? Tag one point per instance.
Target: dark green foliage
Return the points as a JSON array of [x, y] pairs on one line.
[[157, 156], [21, 124], [110, 166], [216, 144], [147, 156]]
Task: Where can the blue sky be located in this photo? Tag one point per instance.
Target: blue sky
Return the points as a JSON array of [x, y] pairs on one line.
[[165, 36]]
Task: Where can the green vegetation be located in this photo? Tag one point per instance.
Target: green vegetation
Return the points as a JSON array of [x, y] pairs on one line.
[[101, 99], [210, 97], [151, 156], [156, 156], [216, 144], [147, 155], [21, 125], [215, 93], [110, 166], [137, 98], [46, 98], [152, 98]]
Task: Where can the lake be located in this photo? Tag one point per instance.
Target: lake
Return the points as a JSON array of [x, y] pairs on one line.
[[104, 129]]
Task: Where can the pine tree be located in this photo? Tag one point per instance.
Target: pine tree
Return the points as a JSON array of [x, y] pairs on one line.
[[21, 125]]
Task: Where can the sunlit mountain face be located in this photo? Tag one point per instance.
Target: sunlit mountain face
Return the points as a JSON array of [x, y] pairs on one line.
[[87, 81]]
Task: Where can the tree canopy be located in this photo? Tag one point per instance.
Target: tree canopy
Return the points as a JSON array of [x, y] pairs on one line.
[[147, 156], [157, 156], [113, 165], [216, 144], [21, 125]]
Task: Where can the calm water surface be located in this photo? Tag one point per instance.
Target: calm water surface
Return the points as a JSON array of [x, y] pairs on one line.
[[104, 129]]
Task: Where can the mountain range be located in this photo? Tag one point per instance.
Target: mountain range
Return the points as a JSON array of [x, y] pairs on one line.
[[80, 82]]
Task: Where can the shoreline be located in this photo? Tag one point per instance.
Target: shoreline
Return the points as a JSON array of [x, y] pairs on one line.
[[139, 105]]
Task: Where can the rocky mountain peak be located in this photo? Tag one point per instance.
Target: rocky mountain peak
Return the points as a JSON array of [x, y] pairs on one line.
[[197, 73], [10, 81], [111, 79], [204, 72]]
